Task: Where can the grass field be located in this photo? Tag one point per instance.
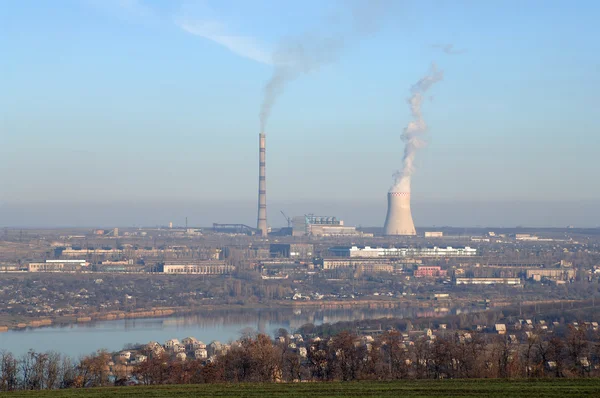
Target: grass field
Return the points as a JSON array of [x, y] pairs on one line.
[[424, 388]]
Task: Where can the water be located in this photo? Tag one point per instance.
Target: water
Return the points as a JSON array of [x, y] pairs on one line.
[[81, 339]]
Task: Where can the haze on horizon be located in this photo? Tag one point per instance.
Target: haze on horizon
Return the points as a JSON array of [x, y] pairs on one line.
[[142, 112]]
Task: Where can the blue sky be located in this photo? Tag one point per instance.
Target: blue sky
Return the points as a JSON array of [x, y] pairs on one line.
[[156, 102]]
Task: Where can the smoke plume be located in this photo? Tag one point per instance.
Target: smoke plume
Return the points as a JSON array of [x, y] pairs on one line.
[[302, 55], [293, 58], [412, 135]]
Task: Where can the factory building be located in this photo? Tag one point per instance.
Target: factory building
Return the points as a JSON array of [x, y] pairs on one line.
[[488, 281], [434, 234], [210, 267], [377, 252], [365, 264], [321, 226], [554, 274], [429, 272], [58, 266], [293, 250]]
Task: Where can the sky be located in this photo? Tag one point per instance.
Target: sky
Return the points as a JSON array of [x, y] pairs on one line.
[[141, 112]]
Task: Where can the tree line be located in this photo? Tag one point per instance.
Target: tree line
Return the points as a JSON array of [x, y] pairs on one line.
[[343, 357]]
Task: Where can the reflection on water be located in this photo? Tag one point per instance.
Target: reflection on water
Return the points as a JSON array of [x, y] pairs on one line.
[[80, 339]]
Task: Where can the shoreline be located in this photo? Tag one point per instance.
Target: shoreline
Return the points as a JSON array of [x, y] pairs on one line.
[[21, 323]]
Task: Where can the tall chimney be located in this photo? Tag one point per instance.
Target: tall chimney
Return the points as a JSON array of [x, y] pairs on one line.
[[398, 220], [262, 187]]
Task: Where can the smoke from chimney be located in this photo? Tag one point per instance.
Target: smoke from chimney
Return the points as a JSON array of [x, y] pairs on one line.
[[307, 53]]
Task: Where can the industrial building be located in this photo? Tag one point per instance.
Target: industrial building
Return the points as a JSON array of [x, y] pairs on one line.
[[209, 267], [434, 234], [367, 251], [58, 266], [321, 226], [379, 264], [429, 272], [291, 250], [488, 281], [553, 274]]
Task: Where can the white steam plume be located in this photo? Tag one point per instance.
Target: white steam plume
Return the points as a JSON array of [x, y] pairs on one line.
[[412, 135], [302, 55]]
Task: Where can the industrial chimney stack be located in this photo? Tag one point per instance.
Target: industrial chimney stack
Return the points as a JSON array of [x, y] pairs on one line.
[[262, 188], [398, 220]]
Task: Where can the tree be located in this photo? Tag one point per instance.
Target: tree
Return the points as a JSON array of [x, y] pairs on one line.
[[9, 368], [395, 354], [577, 347], [93, 370]]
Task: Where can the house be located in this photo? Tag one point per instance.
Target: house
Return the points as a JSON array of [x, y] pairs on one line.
[[584, 362], [465, 337], [170, 344], [302, 352], [155, 348], [214, 348], [181, 356], [201, 353], [139, 358], [199, 345], [177, 348], [124, 356], [500, 328], [189, 342]]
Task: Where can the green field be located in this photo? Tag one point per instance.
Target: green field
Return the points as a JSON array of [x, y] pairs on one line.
[[424, 388]]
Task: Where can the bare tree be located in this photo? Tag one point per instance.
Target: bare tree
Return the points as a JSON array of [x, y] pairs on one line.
[[9, 369]]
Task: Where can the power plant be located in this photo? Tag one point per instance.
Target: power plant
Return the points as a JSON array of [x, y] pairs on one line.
[[398, 220], [261, 223]]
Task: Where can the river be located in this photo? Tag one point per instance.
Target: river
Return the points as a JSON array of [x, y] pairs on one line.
[[80, 339]]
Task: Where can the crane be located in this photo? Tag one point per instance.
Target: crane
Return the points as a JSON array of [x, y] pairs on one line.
[[289, 220]]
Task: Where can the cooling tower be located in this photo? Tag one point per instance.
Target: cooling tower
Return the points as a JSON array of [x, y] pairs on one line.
[[261, 223], [398, 220]]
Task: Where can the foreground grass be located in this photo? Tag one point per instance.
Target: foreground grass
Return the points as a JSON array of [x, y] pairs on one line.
[[421, 388]]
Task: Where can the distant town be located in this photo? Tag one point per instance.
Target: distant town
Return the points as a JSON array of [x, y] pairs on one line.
[[78, 275]]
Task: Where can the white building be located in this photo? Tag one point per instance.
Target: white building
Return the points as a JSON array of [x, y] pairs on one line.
[[488, 281], [172, 343], [58, 266], [209, 267], [201, 353], [435, 251]]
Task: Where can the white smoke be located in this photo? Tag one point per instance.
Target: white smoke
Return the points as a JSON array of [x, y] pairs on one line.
[[293, 58], [305, 54], [412, 135]]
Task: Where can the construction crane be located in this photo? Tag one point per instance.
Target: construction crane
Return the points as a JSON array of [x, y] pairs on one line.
[[289, 220]]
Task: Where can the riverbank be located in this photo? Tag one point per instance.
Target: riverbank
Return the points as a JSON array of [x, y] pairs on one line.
[[20, 322]]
